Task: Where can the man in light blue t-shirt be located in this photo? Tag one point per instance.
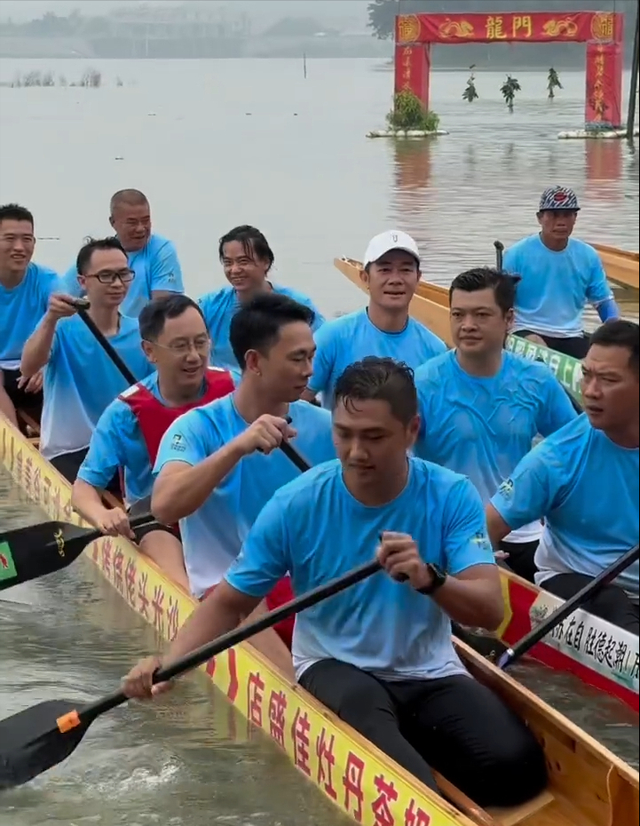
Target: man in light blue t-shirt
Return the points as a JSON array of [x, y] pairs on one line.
[[379, 654], [480, 406], [246, 259], [152, 258], [559, 276], [384, 328], [80, 380], [25, 288], [584, 481]]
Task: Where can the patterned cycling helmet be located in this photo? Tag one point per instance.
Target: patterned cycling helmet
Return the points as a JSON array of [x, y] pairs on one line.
[[558, 198]]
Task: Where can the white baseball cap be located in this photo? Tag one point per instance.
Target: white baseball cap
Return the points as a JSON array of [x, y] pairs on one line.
[[392, 239]]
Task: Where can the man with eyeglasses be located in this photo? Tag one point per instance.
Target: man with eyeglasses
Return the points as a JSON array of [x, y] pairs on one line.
[[153, 258], [129, 432], [80, 380]]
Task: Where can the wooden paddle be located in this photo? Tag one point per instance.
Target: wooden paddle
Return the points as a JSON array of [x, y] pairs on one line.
[[42, 736], [29, 553], [568, 607]]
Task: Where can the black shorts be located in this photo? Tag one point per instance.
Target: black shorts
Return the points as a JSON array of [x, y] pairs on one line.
[[30, 403], [576, 347]]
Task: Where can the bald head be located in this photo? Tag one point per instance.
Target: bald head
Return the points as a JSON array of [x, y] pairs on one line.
[[131, 218]]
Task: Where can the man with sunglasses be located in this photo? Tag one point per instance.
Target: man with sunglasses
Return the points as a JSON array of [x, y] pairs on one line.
[[129, 432], [80, 379]]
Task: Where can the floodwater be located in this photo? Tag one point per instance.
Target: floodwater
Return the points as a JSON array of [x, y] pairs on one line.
[[220, 143]]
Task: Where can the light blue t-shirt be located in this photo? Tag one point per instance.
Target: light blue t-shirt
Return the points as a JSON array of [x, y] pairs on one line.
[[21, 309], [118, 443], [213, 535], [81, 381], [219, 307], [482, 427], [586, 487], [156, 267], [352, 337], [314, 529], [555, 286]]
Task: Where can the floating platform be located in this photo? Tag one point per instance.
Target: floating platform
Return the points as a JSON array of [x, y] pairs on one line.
[[405, 133], [599, 135]]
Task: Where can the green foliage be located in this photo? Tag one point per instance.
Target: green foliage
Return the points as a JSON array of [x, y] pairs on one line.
[[470, 93], [407, 113], [553, 82], [509, 89]]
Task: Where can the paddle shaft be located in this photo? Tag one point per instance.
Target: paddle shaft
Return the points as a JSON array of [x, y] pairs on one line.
[[238, 635], [499, 255], [568, 607]]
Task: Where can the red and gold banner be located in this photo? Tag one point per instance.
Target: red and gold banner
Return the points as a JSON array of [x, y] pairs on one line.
[[509, 27], [603, 98], [412, 71]]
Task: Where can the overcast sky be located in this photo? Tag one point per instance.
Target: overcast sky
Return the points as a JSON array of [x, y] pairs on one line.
[[353, 9]]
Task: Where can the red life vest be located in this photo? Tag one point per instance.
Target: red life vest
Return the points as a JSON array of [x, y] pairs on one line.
[[155, 418]]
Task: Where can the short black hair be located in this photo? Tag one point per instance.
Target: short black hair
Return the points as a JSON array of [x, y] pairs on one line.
[[257, 325], [15, 212], [620, 333], [253, 243], [487, 278], [379, 379], [156, 313], [130, 197], [91, 245]]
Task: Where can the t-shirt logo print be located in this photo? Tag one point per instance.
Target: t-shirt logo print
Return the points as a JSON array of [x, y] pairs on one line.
[[178, 444], [506, 489], [394, 237]]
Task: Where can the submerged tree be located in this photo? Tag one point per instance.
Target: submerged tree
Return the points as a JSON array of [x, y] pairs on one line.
[[509, 89], [470, 93], [408, 113], [553, 82]]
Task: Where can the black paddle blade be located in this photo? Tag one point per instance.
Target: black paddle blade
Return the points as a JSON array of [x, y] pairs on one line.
[[29, 553], [31, 742]]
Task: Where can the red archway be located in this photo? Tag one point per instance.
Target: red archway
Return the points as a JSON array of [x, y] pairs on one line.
[[601, 31]]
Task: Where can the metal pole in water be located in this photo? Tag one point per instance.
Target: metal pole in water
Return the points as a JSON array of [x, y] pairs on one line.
[[633, 89], [304, 65]]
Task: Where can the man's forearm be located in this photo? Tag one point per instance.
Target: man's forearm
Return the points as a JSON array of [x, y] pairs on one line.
[[37, 348], [87, 501], [178, 494], [471, 602]]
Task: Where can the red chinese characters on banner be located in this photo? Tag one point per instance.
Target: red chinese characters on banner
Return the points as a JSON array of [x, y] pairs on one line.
[[255, 698], [300, 735], [412, 71], [603, 97], [157, 603], [352, 782], [326, 762], [387, 794], [415, 816], [277, 708]]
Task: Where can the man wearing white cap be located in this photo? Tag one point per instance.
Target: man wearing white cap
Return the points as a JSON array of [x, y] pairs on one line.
[[391, 272], [559, 275]]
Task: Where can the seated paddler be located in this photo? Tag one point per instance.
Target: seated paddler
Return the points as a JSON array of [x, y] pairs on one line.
[[583, 480], [219, 465], [80, 379], [379, 654], [128, 434]]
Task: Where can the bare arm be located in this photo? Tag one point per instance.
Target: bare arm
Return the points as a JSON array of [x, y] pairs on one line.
[[181, 489], [473, 597], [496, 526], [37, 348], [87, 501]]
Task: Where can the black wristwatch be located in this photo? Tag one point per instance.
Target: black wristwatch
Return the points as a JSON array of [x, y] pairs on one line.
[[439, 578]]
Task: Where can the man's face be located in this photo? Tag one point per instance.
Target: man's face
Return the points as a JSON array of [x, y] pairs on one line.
[[370, 441], [557, 224], [181, 351], [132, 225], [17, 243], [286, 367], [478, 325], [242, 268], [107, 278], [392, 280], [610, 388]]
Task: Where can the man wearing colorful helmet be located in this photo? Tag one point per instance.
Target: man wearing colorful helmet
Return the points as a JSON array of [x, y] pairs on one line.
[[559, 276]]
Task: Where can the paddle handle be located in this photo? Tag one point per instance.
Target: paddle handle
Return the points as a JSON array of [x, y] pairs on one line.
[[499, 246], [82, 305], [568, 607], [238, 635]]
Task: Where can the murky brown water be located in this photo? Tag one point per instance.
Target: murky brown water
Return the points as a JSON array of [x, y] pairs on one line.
[[215, 144]]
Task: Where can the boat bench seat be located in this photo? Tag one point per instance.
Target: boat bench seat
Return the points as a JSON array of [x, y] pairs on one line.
[[518, 814]]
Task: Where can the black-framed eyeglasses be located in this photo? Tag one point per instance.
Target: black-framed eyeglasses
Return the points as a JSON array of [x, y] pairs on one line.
[[182, 347], [111, 276]]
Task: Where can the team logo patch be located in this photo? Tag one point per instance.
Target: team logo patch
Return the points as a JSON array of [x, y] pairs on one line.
[[177, 443], [506, 489]]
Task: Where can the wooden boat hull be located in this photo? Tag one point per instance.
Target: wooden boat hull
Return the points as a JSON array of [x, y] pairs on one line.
[[620, 266], [524, 603], [589, 785], [430, 306]]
